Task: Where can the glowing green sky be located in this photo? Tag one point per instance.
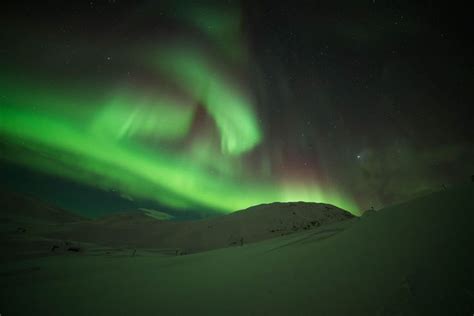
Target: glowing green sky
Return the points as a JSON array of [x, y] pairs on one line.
[[198, 107], [148, 140], [107, 151], [231, 109]]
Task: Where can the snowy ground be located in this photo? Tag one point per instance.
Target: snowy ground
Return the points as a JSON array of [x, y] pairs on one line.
[[411, 259]]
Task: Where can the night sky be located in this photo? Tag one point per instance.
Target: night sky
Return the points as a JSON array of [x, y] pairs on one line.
[[204, 107]]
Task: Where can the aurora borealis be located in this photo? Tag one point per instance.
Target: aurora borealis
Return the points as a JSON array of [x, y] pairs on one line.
[[64, 147], [205, 107]]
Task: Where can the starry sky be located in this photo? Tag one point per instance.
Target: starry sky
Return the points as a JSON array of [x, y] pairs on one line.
[[213, 106]]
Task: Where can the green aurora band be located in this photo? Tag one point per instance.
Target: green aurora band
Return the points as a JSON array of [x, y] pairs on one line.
[[131, 140], [75, 150]]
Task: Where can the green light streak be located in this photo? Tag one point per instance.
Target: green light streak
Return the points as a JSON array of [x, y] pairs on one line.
[[128, 140], [56, 145], [128, 116], [231, 109]]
